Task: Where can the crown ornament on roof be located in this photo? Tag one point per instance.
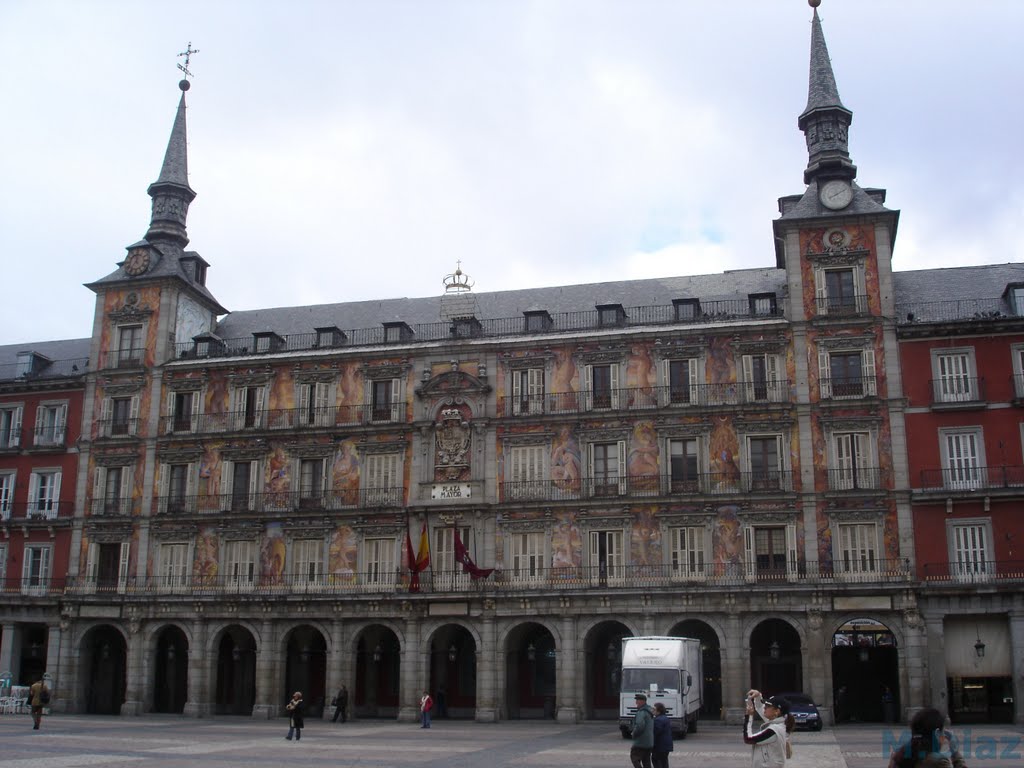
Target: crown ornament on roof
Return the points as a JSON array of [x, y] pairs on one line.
[[458, 281]]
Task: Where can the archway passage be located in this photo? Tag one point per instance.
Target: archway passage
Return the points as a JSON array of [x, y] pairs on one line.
[[306, 668], [530, 673], [105, 656], [34, 642], [603, 665], [711, 664], [236, 672], [453, 672], [865, 673], [775, 658], [170, 671], [378, 673]]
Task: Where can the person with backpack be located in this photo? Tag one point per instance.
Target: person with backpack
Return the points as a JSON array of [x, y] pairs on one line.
[[769, 741], [38, 697]]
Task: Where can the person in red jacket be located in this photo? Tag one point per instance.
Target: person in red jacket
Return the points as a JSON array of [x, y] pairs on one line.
[[426, 704]]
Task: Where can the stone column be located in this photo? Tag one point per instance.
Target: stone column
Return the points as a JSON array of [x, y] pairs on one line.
[[913, 662], [735, 670], [201, 661], [936, 654], [570, 684], [54, 668], [817, 670], [267, 693], [66, 698], [1017, 663], [10, 649], [339, 667], [134, 673], [486, 669], [414, 676]]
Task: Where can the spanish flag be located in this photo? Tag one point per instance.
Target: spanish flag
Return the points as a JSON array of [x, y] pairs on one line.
[[423, 553]]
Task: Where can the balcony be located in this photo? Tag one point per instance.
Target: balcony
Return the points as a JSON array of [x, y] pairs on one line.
[[848, 388], [44, 370], [842, 306], [117, 427], [969, 479], [49, 437], [977, 572], [122, 358], [857, 479], [708, 483], [282, 419], [34, 586], [286, 501], [10, 440], [648, 398], [112, 506], [36, 510], [959, 392]]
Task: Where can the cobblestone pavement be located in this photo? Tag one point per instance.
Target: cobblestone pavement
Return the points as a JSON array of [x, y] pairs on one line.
[[66, 741]]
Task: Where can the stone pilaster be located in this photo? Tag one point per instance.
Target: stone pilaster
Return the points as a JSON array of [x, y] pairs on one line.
[[267, 693], [200, 668], [1017, 663], [136, 671], [486, 670], [935, 652], [414, 673], [735, 683], [569, 682]]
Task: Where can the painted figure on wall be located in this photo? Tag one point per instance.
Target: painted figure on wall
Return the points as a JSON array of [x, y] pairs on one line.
[[343, 555], [565, 460], [645, 538], [205, 566], [350, 393], [563, 372], [566, 546], [278, 480], [209, 471], [728, 537], [721, 366], [272, 555], [824, 533], [642, 462], [345, 473], [724, 452], [641, 377], [282, 391]]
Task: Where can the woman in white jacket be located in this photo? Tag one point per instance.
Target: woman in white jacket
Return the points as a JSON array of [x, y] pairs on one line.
[[767, 740]]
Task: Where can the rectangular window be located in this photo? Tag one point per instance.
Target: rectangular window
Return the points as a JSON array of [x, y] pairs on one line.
[[175, 567], [385, 399], [176, 488], [687, 310], [107, 566], [843, 291], [687, 553], [120, 416], [854, 464], [1018, 371], [603, 383], [311, 483], [239, 565], [607, 461], [606, 556], [10, 427], [112, 492], [307, 563], [446, 573], [524, 477], [526, 553], [35, 570], [379, 562], [243, 494], [129, 345], [762, 304], [184, 411], [954, 378], [858, 543], [770, 550], [761, 379], [50, 423], [44, 494], [314, 404], [972, 559], [764, 461], [681, 377], [381, 483], [6, 497], [964, 467], [252, 407], [683, 466], [528, 391]]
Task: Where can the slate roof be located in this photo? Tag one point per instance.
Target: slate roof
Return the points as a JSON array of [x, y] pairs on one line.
[[67, 356], [808, 205], [953, 293]]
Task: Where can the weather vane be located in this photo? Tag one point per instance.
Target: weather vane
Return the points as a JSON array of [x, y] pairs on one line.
[[187, 53]]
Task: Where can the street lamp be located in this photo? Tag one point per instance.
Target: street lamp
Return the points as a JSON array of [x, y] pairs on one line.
[[304, 654], [236, 653], [377, 653], [452, 652], [170, 653], [774, 650], [531, 651], [979, 647], [611, 650]]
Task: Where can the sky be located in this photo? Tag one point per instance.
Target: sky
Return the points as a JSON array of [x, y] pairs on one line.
[[357, 149]]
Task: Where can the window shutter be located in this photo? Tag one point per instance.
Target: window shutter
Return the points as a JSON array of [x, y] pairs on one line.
[[164, 482], [515, 465], [233, 399], [517, 392], [92, 563], [98, 491], [171, 415], [867, 364], [55, 499], [820, 294], [694, 380], [666, 382], [535, 384], [321, 402], [771, 367], [824, 374], [40, 426], [861, 297], [748, 377], [260, 417], [588, 389], [106, 428], [16, 428], [254, 480], [621, 445], [396, 402], [749, 559], [590, 468], [196, 402], [373, 471], [26, 569], [190, 488], [791, 557], [614, 378], [133, 416], [844, 461], [125, 502], [303, 403], [62, 417], [122, 567]]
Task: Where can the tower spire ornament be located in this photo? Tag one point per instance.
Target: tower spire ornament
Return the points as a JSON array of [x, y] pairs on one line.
[[187, 53]]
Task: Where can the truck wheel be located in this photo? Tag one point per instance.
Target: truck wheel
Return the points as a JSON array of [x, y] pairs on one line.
[[625, 732], [693, 725]]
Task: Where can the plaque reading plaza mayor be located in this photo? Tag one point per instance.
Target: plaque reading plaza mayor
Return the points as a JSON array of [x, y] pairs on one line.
[[450, 491]]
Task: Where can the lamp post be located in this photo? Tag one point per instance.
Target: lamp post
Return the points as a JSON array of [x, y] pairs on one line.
[[979, 647], [774, 650], [452, 653], [378, 651], [531, 652]]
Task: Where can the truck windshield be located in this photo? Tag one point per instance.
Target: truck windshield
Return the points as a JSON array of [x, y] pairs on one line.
[[646, 679]]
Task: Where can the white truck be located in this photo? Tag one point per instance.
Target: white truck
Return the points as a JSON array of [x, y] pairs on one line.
[[667, 669]]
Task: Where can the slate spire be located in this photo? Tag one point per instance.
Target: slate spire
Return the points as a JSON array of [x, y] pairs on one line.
[[825, 121], [171, 193]]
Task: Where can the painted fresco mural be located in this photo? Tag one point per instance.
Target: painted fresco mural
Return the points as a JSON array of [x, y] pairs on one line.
[[204, 567], [343, 555], [146, 298], [452, 444], [564, 375], [272, 555], [641, 377], [345, 472], [217, 397], [566, 545], [642, 459], [727, 537], [350, 392], [566, 472], [281, 396], [645, 539], [277, 477]]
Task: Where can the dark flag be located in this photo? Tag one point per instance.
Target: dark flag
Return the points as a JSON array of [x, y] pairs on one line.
[[410, 562], [468, 566]]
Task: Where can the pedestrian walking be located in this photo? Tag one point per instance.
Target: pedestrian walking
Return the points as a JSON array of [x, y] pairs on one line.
[[662, 736], [340, 705], [426, 704], [930, 745], [296, 708], [643, 734], [769, 741], [38, 697]]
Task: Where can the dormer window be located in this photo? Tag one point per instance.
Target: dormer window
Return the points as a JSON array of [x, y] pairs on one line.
[[397, 331], [467, 328], [610, 315], [29, 363], [1015, 297], [329, 336], [762, 304], [267, 341], [194, 266], [208, 345], [537, 321], [687, 310]]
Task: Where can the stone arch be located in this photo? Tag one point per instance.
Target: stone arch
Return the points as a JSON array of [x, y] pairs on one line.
[[602, 658], [378, 686], [169, 644], [864, 653], [452, 651], [776, 655], [530, 649], [305, 667], [235, 684], [711, 661], [103, 657]]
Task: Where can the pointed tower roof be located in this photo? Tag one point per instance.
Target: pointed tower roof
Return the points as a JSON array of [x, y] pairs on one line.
[[170, 192], [825, 121]]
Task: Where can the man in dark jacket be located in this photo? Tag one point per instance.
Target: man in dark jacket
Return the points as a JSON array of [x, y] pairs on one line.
[[341, 705], [662, 736], [643, 734]]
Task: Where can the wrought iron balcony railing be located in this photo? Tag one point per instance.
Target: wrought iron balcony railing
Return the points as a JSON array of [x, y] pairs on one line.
[[366, 498], [842, 306], [35, 586], [848, 387], [978, 571], [917, 312], [10, 439], [708, 483], [960, 390], [44, 369], [117, 427], [49, 437], [112, 506], [36, 510], [284, 418], [857, 479], [134, 357], [643, 398], [967, 479]]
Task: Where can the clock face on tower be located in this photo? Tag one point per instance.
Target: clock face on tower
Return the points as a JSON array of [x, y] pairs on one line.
[[836, 194], [137, 261]]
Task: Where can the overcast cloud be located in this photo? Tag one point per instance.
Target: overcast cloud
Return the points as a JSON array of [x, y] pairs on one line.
[[349, 149]]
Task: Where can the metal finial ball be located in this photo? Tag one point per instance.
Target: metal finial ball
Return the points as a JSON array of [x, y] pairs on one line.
[[184, 85], [814, 3]]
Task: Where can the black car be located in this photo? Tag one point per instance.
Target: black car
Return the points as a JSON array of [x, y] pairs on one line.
[[804, 711]]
